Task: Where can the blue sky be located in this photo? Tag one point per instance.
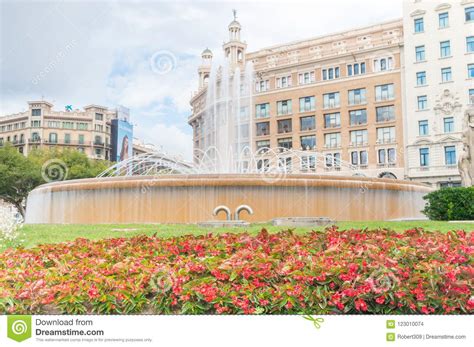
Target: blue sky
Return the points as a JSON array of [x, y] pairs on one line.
[[145, 54]]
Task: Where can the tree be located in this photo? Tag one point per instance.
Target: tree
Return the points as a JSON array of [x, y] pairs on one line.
[[18, 176]]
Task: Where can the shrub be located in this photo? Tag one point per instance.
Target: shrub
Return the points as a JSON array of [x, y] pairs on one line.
[[330, 272], [450, 204]]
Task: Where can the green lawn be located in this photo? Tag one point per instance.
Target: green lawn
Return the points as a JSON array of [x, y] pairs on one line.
[[34, 234]]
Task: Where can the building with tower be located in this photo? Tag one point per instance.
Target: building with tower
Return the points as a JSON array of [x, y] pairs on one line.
[[338, 95]]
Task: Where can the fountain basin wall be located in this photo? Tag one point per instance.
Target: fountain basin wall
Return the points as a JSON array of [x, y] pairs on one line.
[[192, 198]]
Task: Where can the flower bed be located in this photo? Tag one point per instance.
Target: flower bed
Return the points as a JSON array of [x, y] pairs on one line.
[[330, 272]]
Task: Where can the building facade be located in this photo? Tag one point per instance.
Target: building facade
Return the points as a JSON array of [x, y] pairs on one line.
[[438, 84], [338, 95], [86, 130]]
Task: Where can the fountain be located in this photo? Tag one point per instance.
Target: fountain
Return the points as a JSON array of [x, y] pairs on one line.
[[228, 173]]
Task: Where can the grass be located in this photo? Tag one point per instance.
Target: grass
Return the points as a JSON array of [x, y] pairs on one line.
[[35, 234]]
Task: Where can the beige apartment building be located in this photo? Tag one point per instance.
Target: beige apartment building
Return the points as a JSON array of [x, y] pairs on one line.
[[338, 95], [40, 126]]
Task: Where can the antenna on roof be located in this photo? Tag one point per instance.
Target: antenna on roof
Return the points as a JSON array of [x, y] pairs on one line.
[[235, 14]]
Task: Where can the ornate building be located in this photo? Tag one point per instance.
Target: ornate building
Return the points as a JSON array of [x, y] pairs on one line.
[[338, 95], [438, 77]]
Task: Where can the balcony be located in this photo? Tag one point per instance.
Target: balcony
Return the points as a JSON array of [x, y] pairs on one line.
[[35, 140]]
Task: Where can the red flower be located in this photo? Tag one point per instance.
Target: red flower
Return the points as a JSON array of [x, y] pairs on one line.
[[93, 292], [360, 305], [380, 300]]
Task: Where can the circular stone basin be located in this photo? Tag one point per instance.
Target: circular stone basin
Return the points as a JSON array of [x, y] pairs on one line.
[[192, 198]]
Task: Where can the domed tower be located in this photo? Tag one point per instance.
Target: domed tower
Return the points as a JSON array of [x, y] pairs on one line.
[[205, 68], [234, 49]]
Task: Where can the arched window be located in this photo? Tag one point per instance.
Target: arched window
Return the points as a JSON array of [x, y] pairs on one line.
[[387, 174], [206, 79], [239, 55]]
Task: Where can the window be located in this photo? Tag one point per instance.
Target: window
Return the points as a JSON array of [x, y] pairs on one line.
[[68, 125], [81, 139], [286, 143], [386, 153], [35, 137], [445, 49], [421, 78], [446, 74], [36, 124], [358, 137], [54, 124], [357, 96], [53, 138], [331, 73], [332, 120], [36, 112], [422, 102], [308, 142], [424, 156], [332, 140], [470, 44], [470, 71], [383, 64], [359, 158], [261, 145], [263, 165], [355, 69], [420, 53], [262, 110], [386, 135], [443, 19], [471, 96], [333, 159], [423, 128], [385, 113], [82, 126], [331, 100], [419, 27], [469, 12], [98, 140], [308, 103], [283, 82], [99, 127], [263, 128], [284, 164], [262, 86], [384, 92], [284, 126], [358, 117], [450, 155], [308, 163], [307, 123], [448, 124], [67, 138], [99, 116], [306, 77], [284, 107]]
